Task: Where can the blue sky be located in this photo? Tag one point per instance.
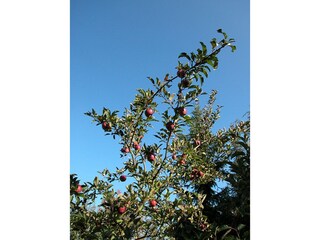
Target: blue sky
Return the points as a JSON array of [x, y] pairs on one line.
[[116, 45]]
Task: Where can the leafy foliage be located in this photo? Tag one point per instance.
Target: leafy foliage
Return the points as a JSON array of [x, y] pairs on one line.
[[172, 194], [228, 152]]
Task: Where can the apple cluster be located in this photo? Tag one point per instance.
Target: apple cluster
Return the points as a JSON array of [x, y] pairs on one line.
[[183, 159], [196, 174]]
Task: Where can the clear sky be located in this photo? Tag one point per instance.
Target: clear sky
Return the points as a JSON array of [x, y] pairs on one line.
[[116, 45]]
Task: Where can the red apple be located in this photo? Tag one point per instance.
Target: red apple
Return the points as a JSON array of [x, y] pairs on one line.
[[106, 126], [153, 203], [181, 73], [185, 83], [149, 112], [125, 150], [137, 146], [197, 142], [174, 156], [170, 126], [200, 174], [182, 111], [182, 162], [123, 178], [151, 157], [203, 226], [79, 189], [122, 209]]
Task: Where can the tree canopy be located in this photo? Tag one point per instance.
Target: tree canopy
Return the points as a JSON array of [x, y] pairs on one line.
[[192, 183]]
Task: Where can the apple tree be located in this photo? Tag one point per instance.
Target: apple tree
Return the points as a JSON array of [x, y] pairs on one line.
[[227, 202], [164, 200]]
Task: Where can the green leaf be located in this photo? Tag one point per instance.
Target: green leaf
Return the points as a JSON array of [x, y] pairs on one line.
[[226, 233], [237, 153], [244, 145], [224, 34], [183, 54], [213, 43], [205, 72], [151, 80], [204, 48], [207, 67], [201, 79], [193, 56], [222, 228], [96, 181], [241, 226], [210, 62], [215, 64], [181, 207]]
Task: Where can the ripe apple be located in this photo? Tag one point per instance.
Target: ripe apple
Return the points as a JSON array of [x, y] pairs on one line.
[[181, 73], [123, 178], [151, 157], [106, 126], [153, 203], [182, 162], [197, 142], [200, 174], [122, 209], [170, 126], [185, 83], [149, 112], [79, 189], [125, 150], [137, 146], [174, 156], [203, 226], [182, 111]]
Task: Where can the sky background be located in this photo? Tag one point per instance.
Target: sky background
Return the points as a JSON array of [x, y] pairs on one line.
[[116, 45]]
